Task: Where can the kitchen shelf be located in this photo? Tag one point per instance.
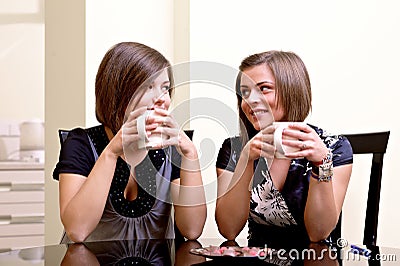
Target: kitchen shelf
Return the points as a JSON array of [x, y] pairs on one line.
[[21, 204]]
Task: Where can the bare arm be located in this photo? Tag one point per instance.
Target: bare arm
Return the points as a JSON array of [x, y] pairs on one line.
[[233, 202], [188, 193], [82, 199], [324, 203], [325, 199]]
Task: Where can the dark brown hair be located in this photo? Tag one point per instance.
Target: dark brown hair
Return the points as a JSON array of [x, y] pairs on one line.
[[124, 67], [292, 85]]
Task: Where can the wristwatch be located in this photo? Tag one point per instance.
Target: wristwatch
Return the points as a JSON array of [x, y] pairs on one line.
[[323, 170]]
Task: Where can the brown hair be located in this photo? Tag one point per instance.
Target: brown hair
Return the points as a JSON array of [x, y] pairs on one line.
[[292, 85], [123, 69]]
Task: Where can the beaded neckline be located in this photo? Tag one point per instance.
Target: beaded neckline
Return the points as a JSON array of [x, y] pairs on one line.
[[145, 174]]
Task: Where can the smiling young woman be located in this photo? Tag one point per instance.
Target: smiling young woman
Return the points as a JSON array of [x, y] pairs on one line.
[[289, 200]]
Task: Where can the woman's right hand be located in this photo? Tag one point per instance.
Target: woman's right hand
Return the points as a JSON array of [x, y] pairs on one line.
[[125, 143], [261, 145]]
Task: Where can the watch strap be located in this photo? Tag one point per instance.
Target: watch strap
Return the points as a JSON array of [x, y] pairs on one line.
[[323, 171]]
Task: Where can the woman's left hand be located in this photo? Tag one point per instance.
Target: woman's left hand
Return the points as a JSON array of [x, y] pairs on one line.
[[176, 137], [307, 140]]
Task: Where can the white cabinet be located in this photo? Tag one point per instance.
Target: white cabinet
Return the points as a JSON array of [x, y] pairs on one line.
[[21, 205]]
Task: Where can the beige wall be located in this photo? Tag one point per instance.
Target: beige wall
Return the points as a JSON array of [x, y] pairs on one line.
[[21, 60], [65, 92]]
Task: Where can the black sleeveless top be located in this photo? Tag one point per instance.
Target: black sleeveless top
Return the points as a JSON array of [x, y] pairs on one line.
[[146, 217]]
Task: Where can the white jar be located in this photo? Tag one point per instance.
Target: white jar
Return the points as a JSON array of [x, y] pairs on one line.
[[32, 135]]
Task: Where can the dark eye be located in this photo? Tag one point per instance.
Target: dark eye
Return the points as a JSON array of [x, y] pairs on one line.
[[245, 92], [165, 88], [265, 88]]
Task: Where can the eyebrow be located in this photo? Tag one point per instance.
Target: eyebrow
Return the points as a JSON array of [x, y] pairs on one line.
[[163, 83], [258, 84], [262, 82]]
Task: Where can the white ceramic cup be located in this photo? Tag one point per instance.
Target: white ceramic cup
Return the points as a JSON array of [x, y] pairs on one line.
[[148, 142], [281, 149]]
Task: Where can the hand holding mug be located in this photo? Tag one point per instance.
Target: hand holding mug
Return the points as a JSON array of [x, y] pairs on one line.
[[261, 145], [128, 137], [280, 140], [172, 135], [299, 140], [147, 123]]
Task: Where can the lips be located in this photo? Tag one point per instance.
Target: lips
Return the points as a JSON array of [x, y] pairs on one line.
[[162, 107], [259, 112], [256, 113]]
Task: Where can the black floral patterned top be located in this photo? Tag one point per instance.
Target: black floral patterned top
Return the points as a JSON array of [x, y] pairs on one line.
[[277, 217]]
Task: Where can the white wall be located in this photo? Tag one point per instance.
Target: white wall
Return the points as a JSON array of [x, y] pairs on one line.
[[21, 60], [109, 22], [351, 51]]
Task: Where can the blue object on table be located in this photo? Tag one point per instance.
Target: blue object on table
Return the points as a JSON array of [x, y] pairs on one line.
[[359, 250]]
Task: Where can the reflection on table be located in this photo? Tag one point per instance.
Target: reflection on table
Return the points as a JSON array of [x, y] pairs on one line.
[[170, 252]]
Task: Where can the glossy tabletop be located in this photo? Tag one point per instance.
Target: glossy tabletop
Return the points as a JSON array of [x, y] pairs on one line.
[[169, 252]]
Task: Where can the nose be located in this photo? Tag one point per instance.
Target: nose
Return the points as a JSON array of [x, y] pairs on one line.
[[254, 97], [159, 96]]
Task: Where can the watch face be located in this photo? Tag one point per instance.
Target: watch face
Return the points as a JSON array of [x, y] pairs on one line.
[[328, 158]]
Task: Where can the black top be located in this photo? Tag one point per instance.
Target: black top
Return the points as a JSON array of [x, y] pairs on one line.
[[150, 209], [280, 214], [76, 156]]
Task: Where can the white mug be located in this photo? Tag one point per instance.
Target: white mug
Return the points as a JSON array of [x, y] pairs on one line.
[[148, 142], [281, 149]]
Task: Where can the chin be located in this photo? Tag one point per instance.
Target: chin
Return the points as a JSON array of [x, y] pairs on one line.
[[257, 127]]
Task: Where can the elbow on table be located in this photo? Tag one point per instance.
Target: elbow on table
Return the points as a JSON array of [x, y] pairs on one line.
[[76, 236], [229, 228], [318, 235], [193, 228], [320, 231], [227, 232], [192, 234]]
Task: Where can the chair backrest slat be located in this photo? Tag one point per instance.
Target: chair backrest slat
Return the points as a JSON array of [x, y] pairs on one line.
[[369, 142], [375, 144]]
